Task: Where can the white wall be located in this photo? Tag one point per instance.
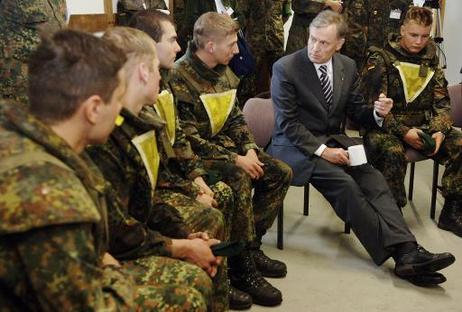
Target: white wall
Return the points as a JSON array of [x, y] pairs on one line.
[[89, 6], [453, 40], [85, 6]]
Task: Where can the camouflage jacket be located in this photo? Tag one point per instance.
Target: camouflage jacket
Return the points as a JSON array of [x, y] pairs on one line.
[[124, 168], [191, 79], [370, 22], [263, 23], [190, 164], [21, 22], [430, 110], [52, 233]]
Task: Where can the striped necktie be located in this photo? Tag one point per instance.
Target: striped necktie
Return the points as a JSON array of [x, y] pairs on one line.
[[326, 86]]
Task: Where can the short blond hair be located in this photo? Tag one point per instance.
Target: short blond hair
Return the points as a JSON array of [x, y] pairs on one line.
[[136, 45], [213, 25], [419, 15]]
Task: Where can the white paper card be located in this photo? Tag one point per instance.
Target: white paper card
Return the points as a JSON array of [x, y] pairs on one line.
[[395, 14], [357, 155]]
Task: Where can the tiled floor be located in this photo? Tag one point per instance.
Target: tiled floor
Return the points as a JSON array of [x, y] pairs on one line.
[[330, 271]]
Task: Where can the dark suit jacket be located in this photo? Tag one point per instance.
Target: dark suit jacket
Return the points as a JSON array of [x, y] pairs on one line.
[[302, 120]]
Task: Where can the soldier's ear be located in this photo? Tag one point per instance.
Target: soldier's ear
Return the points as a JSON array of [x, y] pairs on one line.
[[143, 71], [210, 46], [401, 30], [91, 109]]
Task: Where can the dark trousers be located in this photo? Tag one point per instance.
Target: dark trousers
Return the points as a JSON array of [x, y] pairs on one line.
[[360, 196]]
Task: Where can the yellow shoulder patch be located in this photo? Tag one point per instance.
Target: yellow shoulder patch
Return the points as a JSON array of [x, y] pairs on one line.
[[218, 107], [146, 144], [165, 107]]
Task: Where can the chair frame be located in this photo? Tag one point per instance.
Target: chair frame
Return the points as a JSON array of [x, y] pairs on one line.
[[434, 186]]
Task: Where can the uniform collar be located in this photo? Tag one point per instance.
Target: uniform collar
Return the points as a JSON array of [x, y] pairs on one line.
[[210, 74]]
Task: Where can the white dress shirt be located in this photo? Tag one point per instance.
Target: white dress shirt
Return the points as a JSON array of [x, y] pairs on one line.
[[330, 74]]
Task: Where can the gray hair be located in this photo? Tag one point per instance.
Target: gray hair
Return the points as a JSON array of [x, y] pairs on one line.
[[326, 18]]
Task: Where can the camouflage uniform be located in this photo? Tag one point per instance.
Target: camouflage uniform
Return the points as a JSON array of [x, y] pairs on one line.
[[304, 12], [370, 22], [21, 22], [263, 21], [170, 206], [53, 231], [191, 79], [429, 111]]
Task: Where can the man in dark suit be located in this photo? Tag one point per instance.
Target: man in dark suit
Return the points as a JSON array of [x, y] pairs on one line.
[[313, 91]]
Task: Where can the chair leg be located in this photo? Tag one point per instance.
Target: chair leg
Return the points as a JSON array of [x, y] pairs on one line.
[[280, 239], [306, 199], [411, 182], [434, 189], [347, 228]]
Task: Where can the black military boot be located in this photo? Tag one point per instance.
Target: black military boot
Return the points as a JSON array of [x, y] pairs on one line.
[[265, 265], [239, 300], [451, 217], [244, 276]]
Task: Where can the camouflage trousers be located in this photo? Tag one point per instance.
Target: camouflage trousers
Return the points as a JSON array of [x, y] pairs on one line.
[[169, 285], [253, 216], [387, 153], [200, 218]]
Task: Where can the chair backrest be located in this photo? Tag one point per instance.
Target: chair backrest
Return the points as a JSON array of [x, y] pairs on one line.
[[259, 116], [455, 94]]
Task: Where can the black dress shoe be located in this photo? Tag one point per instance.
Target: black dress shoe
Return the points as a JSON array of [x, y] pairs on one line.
[[421, 261], [450, 218], [239, 300], [267, 266], [426, 279]]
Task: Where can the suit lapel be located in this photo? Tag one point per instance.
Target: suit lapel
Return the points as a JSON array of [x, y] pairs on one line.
[[338, 72], [312, 80]]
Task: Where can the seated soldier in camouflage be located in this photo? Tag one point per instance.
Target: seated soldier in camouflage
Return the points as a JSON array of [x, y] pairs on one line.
[[205, 90], [407, 70], [155, 180], [53, 232], [162, 29]]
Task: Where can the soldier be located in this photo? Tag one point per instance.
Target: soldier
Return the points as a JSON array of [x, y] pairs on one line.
[[53, 230], [370, 22], [21, 23], [304, 12], [162, 29], [263, 22], [153, 176], [407, 71], [205, 90]]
